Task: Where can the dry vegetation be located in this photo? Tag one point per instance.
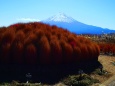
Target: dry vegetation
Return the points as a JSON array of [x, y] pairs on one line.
[[106, 61]]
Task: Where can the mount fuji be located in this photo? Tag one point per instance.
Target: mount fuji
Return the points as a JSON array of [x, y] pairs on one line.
[[64, 21]]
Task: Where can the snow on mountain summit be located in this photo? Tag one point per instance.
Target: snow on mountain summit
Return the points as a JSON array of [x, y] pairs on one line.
[[61, 17]]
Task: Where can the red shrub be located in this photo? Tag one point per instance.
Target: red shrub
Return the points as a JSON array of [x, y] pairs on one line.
[[107, 48], [31, 43], [31, 38], [67, 52], [17, 50], [5, 53], [91, 51], [44, 50], [20, 36], [31, 54], [96, 51], [76, 54], [85, 53], [8, 36], [39, 34], [48, 35], [6, 41], [113, 49], [56, 52], [71, 38]]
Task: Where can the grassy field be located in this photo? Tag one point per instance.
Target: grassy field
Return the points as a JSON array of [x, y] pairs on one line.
[[108, 68]]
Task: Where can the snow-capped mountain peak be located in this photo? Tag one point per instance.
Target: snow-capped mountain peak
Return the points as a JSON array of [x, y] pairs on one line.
[[74, 26], [61, 17]]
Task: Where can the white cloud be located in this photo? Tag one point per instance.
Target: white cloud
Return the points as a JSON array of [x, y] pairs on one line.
[[27, 19]]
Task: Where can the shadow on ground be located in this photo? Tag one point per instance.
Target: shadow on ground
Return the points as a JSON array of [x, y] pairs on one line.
[[44, 74]]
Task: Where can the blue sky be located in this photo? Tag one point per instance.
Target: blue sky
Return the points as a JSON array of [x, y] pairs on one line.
[[93, 12]]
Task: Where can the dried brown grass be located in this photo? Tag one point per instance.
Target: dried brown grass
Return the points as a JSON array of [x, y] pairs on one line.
[[108, 66]]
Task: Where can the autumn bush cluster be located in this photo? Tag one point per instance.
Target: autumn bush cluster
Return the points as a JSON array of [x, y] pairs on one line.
[[38, 43], [107, 48]]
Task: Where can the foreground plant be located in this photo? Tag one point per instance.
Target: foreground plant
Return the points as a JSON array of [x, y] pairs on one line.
[[74, 80], [113, 63]]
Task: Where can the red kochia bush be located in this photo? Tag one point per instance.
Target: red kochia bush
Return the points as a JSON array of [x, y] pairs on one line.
[[38, 43], [56, 51], [5, 45], [30, 54], [107, 48], [44, 50]]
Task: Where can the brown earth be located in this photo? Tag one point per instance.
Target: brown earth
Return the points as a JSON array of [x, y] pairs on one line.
[[106, 61]]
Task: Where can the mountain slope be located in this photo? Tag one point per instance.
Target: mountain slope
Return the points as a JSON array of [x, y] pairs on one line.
[[61, 20], [60, 17]]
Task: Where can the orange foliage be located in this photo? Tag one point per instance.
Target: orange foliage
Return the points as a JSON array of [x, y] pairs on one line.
[[30, 54], [20, 36], [67, 52], [5, 53], [107, 48], [44, 50], [39, 33], [6, 41], [8, 36], [113, 50], [56, 51], [38, 43], [17, 50], [31, 38], [77, 54]]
